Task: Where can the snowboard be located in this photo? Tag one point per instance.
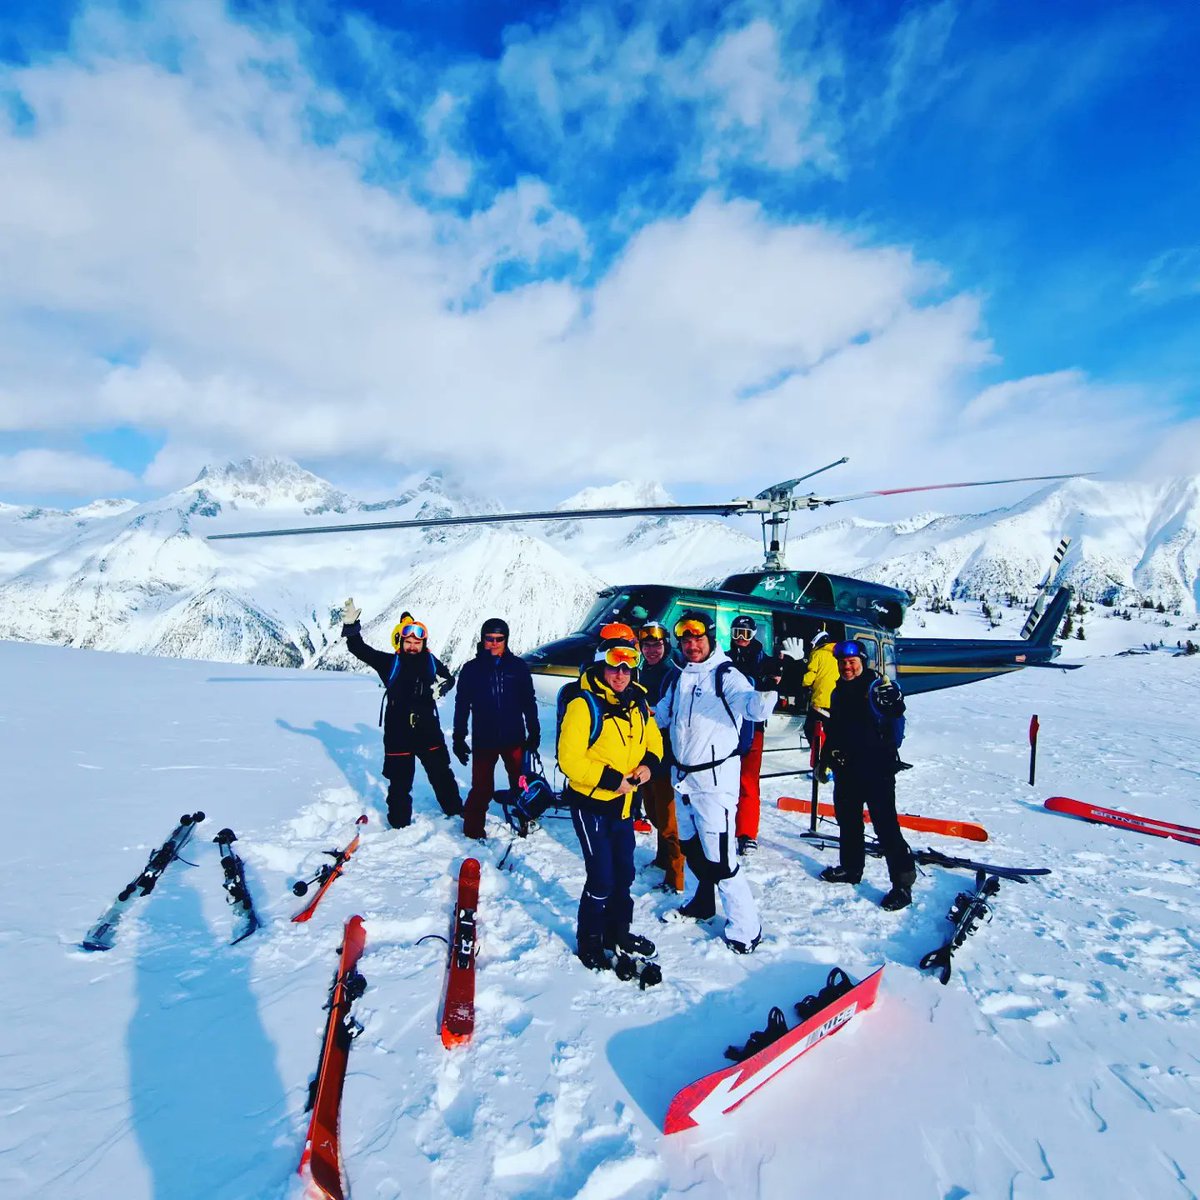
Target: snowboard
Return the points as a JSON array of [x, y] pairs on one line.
[[1123, 820]]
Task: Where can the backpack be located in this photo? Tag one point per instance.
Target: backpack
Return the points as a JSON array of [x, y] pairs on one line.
[[890, 726]]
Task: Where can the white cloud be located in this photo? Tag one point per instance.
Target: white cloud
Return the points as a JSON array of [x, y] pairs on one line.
[[1168, 276], [37, 472]]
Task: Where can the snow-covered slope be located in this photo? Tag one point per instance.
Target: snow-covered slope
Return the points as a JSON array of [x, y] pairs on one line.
[[1059, 1061], [143, 578]]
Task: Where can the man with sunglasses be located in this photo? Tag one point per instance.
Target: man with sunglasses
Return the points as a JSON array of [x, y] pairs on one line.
[[656, 674], [495, 692], [608, 745], [702, 714], [414, 680], [860, 747]]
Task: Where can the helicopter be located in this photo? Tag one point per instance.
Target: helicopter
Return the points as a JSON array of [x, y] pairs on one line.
[[785, 604]]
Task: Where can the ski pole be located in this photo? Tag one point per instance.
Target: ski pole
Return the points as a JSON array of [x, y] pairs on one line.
[[817, 746], [1033, 736]]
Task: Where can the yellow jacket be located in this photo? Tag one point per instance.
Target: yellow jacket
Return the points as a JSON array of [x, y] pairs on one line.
[[821, 676], [628, 738]]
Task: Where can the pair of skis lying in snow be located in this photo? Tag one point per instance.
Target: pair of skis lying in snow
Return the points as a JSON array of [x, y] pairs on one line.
[[103, 933]]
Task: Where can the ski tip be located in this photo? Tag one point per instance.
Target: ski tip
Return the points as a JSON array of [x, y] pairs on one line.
[[450, 1039], [362, 820]]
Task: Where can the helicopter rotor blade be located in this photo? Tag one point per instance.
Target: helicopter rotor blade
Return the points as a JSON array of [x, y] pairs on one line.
[[571, 514], [778, 491], [822, 501]]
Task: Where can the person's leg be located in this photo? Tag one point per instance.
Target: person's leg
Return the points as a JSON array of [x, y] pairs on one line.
[[881, 803], [436, 761], [713, 815], [483, 787], [660, 804], [598, 884], [701, 902], [619, 911], [399, 770], [848, 808], [748, 804]]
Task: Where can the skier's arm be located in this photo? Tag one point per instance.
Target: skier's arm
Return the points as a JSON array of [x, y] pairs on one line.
[[444, 674], [582, 771], [462, 704], [533, 725], [745, 700], [377, 660]]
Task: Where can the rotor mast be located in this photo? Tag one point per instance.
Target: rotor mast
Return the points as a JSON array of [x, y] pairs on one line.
[[774, 516]]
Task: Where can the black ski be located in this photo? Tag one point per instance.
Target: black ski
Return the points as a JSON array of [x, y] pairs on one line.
[[103, 934], [968, 910], [935, 858], [245, 919]]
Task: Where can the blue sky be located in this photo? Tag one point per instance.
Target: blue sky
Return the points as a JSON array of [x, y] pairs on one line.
[[953, 240]]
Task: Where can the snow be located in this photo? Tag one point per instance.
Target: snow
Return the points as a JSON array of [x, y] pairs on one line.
[[1061, 1060]]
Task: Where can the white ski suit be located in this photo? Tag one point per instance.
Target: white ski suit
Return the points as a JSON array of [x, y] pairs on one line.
[[706, 772]]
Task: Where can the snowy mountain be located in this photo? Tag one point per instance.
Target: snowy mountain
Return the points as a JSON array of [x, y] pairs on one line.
[[114, 575]]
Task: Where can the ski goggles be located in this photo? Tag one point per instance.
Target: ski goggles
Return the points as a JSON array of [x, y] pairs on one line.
[[691, 627], [652, 631], [743, 635], [850, 650], [414, 629], [628, 657]]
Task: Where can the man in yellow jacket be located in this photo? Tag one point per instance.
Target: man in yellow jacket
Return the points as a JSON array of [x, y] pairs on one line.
[[821, 677], [608, 744]]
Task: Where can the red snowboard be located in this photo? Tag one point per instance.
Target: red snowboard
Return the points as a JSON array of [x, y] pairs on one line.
[[707, 1100], [958, 829], [320, 1164], [458, 1013]]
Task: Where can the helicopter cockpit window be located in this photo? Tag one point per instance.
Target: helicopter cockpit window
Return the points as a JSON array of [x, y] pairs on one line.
[[631, 606]]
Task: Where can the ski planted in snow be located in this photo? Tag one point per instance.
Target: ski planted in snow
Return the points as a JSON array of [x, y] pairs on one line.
[[103, 934], [968, 910], [245, 920], [1123, 820], [766, 1054], [935, 858], [320, 1163], [458, 1013], [957, 829], [324, 878]]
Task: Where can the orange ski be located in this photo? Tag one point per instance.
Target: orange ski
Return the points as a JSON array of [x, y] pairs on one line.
[[958, 829], [327, 874], [320, 1164], [458, 1014]]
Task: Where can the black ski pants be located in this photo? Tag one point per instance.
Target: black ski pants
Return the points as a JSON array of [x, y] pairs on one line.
[[400, 770], [876, 790]]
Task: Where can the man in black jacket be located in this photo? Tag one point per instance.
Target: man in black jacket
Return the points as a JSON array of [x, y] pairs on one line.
[[495, 690], [860, 747], [414, 681], [747, 654]]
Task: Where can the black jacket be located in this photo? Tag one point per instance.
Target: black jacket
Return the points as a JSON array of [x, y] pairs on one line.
[[853, 732], [410, 717], [497, 694], [749, 659], [657, 678]]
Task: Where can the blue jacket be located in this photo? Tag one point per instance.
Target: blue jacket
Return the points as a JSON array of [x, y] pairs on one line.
[[497, 694]]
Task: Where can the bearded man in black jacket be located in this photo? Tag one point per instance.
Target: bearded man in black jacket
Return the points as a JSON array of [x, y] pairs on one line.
[[860, 748], [414, 680]]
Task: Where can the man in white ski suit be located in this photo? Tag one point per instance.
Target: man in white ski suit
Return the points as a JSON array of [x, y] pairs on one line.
[[703, 726]]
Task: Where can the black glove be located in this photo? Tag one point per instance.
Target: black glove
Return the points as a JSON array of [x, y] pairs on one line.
[[533, 742], [887, 694], [770, 674], [461, 751]]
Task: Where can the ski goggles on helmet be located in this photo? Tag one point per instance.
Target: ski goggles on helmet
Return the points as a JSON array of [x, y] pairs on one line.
[[653, 630], [629, 657], [850, 649], [414, 629], [691, 626]]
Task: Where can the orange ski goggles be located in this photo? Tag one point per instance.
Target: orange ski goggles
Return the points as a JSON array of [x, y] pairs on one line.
[[622, 656], [652, 631], [692, 627]]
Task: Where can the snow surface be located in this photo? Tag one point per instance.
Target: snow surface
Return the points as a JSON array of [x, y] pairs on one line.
[[1061, 1060]]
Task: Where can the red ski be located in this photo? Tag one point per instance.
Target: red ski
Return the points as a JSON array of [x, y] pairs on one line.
[[1124, 820], [327, 874], [458, 1014], [320, 1164], [707, 1100], [958, 829]]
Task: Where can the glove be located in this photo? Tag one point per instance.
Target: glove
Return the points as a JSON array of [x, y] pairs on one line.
[[350, 614], [443, 688], [887, 694], [461, 751], [770, 674], [823, 775], [793, 648]]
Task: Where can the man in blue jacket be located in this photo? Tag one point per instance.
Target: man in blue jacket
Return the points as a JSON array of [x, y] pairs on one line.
[[495, 689]]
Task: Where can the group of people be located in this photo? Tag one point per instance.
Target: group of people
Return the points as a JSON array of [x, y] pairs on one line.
[[681, 738]]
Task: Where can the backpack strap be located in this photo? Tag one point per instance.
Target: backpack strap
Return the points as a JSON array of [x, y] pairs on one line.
[[722, 671], [387, 685]]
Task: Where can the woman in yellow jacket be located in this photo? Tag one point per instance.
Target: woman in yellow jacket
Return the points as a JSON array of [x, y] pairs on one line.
[[608, 744]]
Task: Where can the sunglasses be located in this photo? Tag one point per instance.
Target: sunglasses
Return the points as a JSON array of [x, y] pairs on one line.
[[494, 637], [414, 629], [623, 656], [743, 635], [689, 626]]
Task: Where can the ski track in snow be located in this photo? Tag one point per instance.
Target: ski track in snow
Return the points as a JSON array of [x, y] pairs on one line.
[[1061, 1059]]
